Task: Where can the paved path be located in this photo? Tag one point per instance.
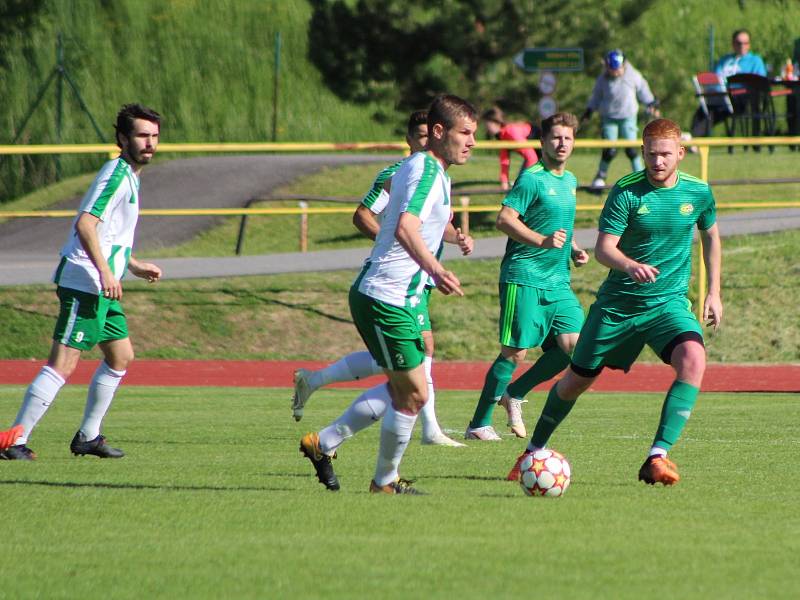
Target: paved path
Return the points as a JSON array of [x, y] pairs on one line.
[[19, 268], [29, 247], [202, 182]]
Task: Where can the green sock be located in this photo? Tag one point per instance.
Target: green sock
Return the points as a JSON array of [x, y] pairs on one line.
[[494, 385], [555, 410], [677, 407], [550, 364]]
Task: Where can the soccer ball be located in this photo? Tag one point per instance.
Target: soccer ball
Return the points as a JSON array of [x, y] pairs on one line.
[[544, 473]]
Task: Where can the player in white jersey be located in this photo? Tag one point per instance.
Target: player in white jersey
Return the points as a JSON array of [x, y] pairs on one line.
[[358, 365], [396, 272], [93, 260]]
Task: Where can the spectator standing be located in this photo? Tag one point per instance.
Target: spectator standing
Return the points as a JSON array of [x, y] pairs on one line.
[[616, 96]]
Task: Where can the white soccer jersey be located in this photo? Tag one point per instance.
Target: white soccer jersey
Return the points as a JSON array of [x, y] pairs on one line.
[[114, 198], [420, 187]]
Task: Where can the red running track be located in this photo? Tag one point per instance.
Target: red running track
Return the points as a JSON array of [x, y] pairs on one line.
[[448, 375]]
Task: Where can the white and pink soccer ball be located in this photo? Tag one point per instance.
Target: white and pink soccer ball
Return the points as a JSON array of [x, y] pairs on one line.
[[544, 473]]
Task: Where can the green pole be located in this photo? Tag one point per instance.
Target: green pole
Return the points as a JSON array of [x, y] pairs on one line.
[[276, 87], [711, 61]]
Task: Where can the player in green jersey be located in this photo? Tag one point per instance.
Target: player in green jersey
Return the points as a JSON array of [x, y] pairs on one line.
[[537, 305], [645, 239]]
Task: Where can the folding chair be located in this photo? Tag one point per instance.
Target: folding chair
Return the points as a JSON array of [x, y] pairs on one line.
[[714, 101]]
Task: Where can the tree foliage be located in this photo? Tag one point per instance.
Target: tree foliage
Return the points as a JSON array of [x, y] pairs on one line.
[[16, 18], [406, 51]]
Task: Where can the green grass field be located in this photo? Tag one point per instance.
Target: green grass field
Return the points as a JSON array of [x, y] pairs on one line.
[[214, 500]]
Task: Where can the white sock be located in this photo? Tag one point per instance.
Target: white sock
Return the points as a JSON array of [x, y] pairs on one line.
[[352, 367], [396, 431], [101, 392], [365, 410], [38, 398], [657, 451], [430, 426]]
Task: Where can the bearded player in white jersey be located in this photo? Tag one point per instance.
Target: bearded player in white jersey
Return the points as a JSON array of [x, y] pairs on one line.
[[391, 283], [93, 260]]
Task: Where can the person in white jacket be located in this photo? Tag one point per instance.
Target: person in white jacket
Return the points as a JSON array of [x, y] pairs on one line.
[[616, 96]]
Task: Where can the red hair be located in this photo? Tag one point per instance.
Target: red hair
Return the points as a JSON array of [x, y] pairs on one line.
[[662, 129]]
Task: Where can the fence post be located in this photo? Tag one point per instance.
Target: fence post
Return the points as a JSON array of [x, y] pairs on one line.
[[464, 216], [701, 266], [303, 226], [240, 237]]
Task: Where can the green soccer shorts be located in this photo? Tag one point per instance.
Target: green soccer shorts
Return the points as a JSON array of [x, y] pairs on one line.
[[391, 333], [611, 338], [529, 315], [420, 309], [85, 320]]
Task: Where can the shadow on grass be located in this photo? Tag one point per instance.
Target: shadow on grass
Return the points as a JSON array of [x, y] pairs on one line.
[[144, 486], [463, 477]]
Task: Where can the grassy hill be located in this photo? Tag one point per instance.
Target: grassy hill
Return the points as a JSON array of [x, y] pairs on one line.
[[208, 67], [274, 317]]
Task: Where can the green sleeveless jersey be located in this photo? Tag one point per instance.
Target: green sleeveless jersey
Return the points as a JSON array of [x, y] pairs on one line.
[[656, 227], [545, 203]]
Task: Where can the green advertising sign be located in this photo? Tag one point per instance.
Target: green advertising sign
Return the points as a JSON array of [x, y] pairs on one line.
[[550, 59]]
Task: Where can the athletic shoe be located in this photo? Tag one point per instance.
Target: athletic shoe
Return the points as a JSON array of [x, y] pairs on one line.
[[401, 486], [513, 407], [309, 446], [302, 392], [440, 439], [80, 446], [659, 469], [18, 452], [485, 434], [598, 184], [8, 437], [514, 473]]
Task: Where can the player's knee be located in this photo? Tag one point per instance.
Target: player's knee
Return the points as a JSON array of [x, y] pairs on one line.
[[119, 361], [572, 385], [609, 154], [515, 355], [689, 361], [417, 400], [631, 153], [567, 342]]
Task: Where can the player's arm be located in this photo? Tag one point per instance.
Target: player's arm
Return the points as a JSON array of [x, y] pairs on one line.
[[712, 257], [508, 222], [409, 237], [505, 167], [86, 229], [365, 221], [608, 254], [144, 270], [453, 235]]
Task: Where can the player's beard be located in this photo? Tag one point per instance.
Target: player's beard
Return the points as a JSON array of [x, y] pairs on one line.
[[142, 158]]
